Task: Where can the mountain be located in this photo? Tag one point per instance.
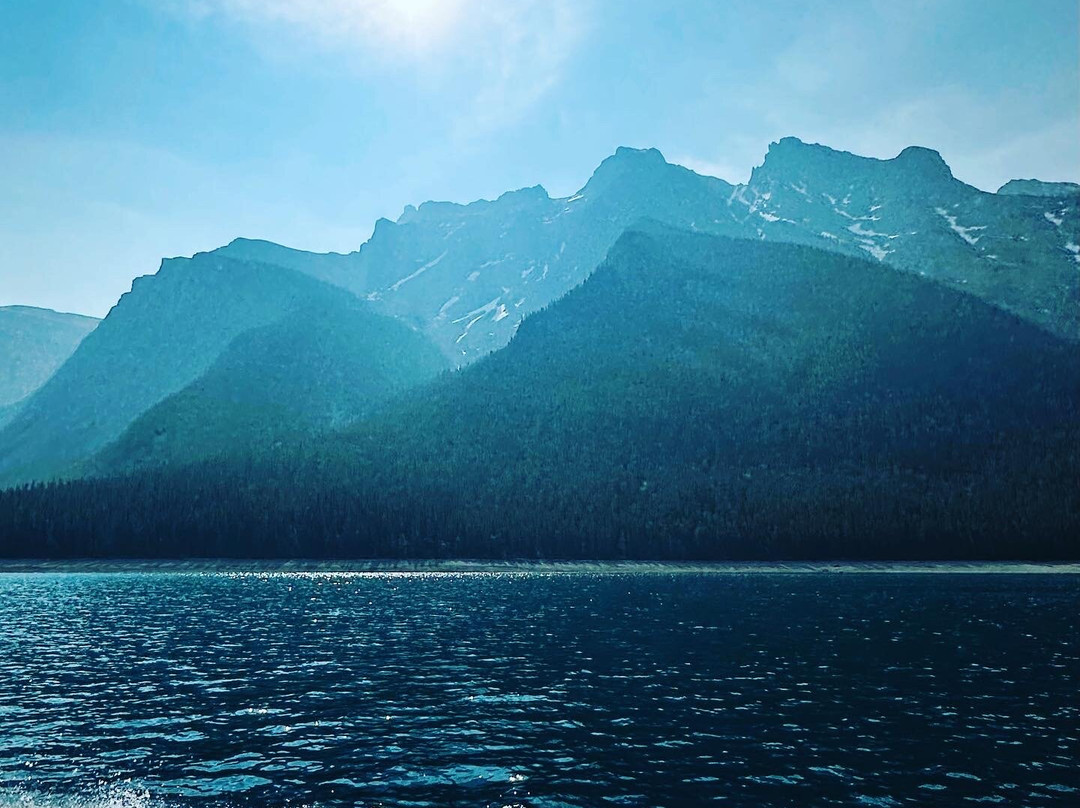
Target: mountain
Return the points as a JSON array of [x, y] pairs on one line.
[[1039, 188], [33, 344], [468, 274], [695, 397], [163, 335], [910, 212], [697, 393], [316, 369]]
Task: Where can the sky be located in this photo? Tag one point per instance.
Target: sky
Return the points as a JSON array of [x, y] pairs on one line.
[[131, 130]]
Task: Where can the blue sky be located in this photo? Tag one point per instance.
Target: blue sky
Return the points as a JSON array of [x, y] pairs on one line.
[[136, 129]]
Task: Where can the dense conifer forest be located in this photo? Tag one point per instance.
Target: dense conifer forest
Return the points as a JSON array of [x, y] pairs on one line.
[[697, 397]]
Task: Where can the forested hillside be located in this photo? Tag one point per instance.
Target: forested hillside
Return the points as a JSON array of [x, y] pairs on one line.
[[697, 397], [317, 369], [162, 336]]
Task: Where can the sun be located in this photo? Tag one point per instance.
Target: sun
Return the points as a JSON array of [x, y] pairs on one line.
[[412, 26]]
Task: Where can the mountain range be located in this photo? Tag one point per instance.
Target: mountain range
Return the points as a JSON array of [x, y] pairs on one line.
[[842, 338]]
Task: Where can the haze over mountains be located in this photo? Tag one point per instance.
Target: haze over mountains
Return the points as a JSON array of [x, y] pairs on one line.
[[33, 344], [838, 326]]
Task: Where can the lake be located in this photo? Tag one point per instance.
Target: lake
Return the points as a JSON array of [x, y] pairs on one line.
[[538, 688]]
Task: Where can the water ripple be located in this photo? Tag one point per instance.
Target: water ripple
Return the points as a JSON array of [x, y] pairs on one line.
[[324, 689]]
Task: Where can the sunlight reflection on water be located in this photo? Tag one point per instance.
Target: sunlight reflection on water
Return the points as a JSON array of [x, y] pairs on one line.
[[517, 688]]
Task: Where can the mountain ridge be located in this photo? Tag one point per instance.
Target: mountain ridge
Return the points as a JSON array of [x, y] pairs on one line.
[[1020, 272], [467, 276]]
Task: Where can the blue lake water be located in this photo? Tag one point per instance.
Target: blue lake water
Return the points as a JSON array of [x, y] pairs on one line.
[[538, 689]]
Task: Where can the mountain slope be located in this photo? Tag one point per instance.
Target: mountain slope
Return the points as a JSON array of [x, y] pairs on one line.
[[316, 369], [33, 344], [162, 335], [696, 397]]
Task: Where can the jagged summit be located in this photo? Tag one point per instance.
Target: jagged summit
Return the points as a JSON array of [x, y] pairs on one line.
[[924, 160], [792, 156], [630, 154], [628, 164], [433, 211], [626, 158], [532, 192], [624, 167]]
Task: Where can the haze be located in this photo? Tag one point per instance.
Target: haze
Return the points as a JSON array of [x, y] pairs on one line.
[[136, 129]]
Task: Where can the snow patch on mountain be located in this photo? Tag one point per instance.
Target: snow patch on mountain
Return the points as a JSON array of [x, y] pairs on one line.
[[963, 232], [859, 230], [434, 262], [878, 252], [475, 316], [446, 307]]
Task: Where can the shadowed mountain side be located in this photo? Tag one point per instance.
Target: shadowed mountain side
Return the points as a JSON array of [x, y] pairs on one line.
[[33, 344], [697, 397], [704, 392], [162, 335], [317, 369]]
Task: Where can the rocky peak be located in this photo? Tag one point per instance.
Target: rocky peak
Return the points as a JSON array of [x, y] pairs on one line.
[[923, 161], [792, 160], [630, 167], [1039, 188]]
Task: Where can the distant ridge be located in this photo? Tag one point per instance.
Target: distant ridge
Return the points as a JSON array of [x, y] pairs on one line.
[[34, 342]]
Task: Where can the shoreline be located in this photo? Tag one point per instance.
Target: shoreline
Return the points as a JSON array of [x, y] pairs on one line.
[[440, 566]]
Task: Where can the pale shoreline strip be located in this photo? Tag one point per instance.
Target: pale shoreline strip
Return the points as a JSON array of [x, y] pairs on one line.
[[440, 566]]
